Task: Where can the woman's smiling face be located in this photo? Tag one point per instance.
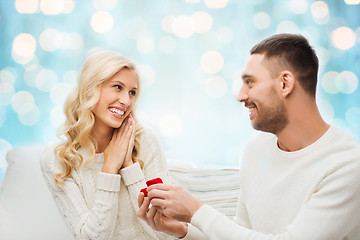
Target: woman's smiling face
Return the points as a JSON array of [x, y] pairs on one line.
[[117, 98]]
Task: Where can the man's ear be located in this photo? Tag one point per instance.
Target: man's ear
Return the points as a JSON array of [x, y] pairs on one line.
[[287, 81]]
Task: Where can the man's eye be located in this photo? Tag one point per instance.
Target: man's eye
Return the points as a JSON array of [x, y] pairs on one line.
[[132, 92], [249, 83]]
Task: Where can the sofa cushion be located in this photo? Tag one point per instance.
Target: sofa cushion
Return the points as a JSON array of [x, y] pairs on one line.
[[27, 210], [218, 188]]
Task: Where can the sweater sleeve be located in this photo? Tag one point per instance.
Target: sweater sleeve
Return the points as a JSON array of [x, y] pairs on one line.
[[97, 222], [331, 213], [154, 166]]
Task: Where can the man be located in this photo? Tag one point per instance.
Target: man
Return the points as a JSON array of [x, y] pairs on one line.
[[301, 181]]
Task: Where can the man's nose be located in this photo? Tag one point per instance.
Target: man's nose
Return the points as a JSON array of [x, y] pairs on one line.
[[242, 95]]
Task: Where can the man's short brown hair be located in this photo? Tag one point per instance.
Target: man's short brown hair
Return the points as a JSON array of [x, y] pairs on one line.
[[294, 52]]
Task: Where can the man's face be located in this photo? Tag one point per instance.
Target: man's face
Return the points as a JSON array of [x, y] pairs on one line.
[[260, 93]]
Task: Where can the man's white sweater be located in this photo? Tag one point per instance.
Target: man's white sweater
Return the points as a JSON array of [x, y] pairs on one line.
[[96, 205], [310, 194]]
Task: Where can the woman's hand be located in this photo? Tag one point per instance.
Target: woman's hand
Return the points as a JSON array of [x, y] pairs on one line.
[[158, 221], [128, 158], [119, 149]]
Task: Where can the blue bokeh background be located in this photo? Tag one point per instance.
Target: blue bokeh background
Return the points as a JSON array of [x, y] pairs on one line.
[[190, 55]]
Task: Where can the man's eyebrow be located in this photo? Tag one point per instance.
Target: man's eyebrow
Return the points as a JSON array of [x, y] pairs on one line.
[[244, 76]]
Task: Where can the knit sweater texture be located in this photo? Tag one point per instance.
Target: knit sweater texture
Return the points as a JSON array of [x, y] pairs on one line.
[[310, 194], [97, 205]]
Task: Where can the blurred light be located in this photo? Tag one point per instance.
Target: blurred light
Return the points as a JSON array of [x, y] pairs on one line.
[[328, 82], [69, 6], [33, 62], [357, 32], [183, 26], [224, 35], [57, 116], [27, 6], [147, 74], [166, 23], [45, 80], [24, 47], [319, 9], [287, 27], [135, 27], [343, 38], [350, 2], [145, 44], [202, 22], [236, 86], [52, 7], [216, 87], [167, 44], [352, 116], [71, 41], [340, 123], [216, 3], [49, 133], [311, 33], [6, 93], [323, 54], [209, 42], [30, 75], [4, 147], [107, 5], [59, 93], [50, 40], [320, 12], [170, 125], [261, 20], [212, 62], [192, 1], [102, 22], [30, 118], [326, 110], [70, 77], [2, 116], [23, 102], [6, 76], [298, 6], [346, 82]]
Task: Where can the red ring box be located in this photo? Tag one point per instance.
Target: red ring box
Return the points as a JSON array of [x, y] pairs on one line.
[[149, 183], [153, 181]]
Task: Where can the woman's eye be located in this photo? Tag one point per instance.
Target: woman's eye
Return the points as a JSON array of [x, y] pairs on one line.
[[132, 92], [117, 86]]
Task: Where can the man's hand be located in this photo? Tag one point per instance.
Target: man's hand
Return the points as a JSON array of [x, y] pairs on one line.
[[173, 201], [157, 221]]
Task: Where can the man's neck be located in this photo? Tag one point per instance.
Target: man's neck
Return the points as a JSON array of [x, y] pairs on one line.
[[304, 128]]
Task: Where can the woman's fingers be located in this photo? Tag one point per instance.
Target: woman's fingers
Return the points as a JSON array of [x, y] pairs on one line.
[[141, 199], [150, 217], [143, 206]]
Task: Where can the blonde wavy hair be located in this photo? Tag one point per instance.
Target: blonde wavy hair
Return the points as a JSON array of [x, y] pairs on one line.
[[99, 66]]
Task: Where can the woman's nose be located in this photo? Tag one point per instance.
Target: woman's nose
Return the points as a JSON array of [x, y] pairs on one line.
[[124, 99]]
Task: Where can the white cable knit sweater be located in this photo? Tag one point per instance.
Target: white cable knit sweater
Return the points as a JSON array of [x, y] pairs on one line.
[[98, 205], [310, 194]]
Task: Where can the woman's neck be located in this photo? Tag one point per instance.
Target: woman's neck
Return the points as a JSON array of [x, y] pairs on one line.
[[102, 139]]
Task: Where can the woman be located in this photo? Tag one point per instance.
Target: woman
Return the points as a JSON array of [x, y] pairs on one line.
[[95, 175]]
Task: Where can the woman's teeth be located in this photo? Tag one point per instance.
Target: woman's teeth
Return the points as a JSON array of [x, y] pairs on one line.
[[117, 111]]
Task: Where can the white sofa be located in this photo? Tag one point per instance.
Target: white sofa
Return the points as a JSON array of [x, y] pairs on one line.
[[27, 210]]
